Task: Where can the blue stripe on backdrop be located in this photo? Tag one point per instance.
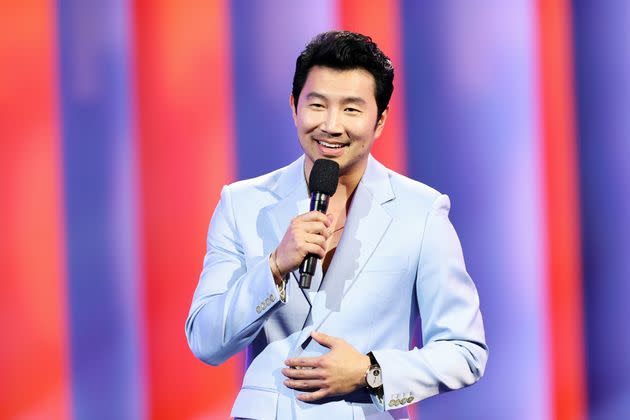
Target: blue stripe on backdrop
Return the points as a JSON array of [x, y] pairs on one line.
[[100, 208], [267, 37], [602, 65], [473, 130]]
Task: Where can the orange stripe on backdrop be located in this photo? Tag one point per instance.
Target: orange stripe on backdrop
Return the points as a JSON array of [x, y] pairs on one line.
[[186, 155], [380, 19], [34, 381], [561, 196]]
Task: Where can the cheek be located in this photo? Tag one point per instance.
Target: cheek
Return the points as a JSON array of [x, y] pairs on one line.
[[309, 120], [362, 131]]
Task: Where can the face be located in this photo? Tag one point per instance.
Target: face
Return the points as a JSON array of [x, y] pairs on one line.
[[336, 118]]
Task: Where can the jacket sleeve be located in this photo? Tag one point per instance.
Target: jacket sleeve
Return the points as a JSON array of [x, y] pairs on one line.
[[454, 351], [233, 299]]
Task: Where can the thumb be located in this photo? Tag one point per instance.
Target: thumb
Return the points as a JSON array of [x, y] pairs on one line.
[[323, 339]]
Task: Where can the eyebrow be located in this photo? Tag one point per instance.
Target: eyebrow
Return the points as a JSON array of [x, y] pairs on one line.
[[347, 99]]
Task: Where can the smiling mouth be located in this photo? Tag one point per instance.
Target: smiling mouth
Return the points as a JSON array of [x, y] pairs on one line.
[[330, 145]]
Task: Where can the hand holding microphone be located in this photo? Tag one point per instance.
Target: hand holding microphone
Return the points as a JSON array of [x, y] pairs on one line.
[[305, 239]]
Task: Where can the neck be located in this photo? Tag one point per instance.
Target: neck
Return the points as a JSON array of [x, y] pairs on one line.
[[348, 179]]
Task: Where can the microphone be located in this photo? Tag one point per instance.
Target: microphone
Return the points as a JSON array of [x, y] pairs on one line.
[[323, 183]]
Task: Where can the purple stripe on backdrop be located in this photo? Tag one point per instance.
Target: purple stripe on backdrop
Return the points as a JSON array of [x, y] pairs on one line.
[[100, 205], [472, 125], [266, 39], [602, 55]]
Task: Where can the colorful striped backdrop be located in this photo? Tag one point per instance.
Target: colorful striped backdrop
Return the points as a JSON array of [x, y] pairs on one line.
[[121, 120]]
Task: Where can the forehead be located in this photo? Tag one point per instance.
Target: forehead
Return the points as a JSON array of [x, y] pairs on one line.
[[338, 84]]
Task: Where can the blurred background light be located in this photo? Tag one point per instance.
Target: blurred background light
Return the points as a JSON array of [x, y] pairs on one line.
[[121, 120]]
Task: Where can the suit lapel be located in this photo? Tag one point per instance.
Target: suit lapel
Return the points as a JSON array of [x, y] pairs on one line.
[[293, 199], [366, 224]]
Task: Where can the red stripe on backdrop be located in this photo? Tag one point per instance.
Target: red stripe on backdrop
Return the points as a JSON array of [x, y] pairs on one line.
[[33, 356], [562, 214], [186, 154], [380, 19]]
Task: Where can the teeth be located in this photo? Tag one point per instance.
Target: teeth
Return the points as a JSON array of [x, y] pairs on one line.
[[334, 146]]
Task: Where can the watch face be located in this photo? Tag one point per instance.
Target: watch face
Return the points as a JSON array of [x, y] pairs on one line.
[[374, 378]]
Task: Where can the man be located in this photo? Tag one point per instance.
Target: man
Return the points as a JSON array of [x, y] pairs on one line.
[[388, 254]]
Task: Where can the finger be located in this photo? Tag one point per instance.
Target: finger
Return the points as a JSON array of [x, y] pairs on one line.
[[313, 238], [324, 339], [313, 396], [315, 249], [311, 362], [302, 373], [315, 216], [316, 228], [304, 383]]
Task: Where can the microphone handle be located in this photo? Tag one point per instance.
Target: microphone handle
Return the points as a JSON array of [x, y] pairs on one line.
[[319, 202]]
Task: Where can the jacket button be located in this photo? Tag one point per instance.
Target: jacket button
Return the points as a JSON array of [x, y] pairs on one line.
[[409, 400], [258, 309], [272, 297], [391, 403]]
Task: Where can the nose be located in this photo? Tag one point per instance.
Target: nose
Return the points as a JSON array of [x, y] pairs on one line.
[[331, 125]]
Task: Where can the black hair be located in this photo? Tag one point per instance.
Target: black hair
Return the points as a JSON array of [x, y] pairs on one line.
[[344, 50]]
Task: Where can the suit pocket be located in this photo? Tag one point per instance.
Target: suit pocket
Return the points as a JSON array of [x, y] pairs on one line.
[[387, 264]]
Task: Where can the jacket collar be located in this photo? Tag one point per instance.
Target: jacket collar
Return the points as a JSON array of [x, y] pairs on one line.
[[291, 181]]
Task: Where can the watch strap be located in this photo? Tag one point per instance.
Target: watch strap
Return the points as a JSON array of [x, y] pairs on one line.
[[373, 360]]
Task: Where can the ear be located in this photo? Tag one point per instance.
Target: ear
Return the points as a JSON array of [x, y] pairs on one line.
[[380, 124], [293, 110]]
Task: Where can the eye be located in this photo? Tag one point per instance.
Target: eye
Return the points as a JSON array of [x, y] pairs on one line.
[[315, 105], [352, 110]]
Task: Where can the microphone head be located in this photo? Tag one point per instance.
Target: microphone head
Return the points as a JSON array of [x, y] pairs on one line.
[[324, 177]]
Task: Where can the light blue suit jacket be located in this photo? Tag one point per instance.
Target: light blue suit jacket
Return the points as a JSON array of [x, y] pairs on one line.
[[398, 260]]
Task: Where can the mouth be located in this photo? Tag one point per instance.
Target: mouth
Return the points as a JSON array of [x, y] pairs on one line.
[[329, 145]]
